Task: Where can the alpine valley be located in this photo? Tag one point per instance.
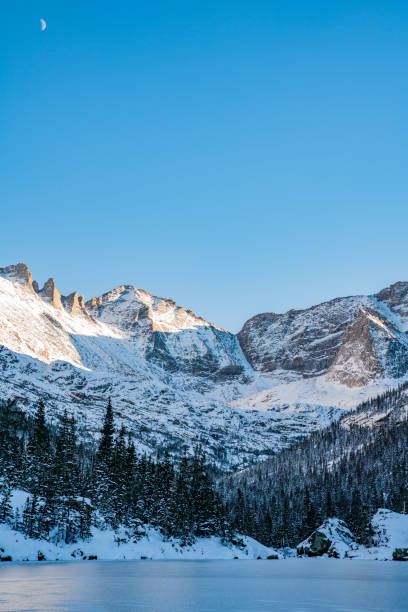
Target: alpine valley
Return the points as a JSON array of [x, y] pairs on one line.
[[176, 380], [132, 428]]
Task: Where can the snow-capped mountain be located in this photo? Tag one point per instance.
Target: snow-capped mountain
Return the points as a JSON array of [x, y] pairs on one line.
[[354, 341], [168, 335], [176, 380]]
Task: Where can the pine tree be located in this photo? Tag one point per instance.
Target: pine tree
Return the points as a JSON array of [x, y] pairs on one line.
[[103, 485], [6, 509], [38, 454]]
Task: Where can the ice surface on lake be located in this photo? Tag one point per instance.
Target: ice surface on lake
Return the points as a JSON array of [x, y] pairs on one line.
[[294, 585]]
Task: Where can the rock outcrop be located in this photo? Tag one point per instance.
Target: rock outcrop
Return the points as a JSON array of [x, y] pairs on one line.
[[354, 341], [302, 341], [396, 298], [356, 362], [19, 273], [332, 538], [75, 304], [49, 293]]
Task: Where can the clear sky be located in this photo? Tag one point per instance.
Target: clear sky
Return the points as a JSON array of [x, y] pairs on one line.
[[238, 157]]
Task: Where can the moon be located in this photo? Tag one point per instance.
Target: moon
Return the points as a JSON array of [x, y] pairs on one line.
[[43, 25]]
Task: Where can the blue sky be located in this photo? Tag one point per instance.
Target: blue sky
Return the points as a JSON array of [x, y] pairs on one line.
[[238, 157]]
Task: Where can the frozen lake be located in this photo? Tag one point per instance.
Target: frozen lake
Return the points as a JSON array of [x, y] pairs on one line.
[[205, 586]]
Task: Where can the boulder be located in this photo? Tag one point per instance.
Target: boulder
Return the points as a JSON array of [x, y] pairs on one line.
[[400, 554], [332, 538]]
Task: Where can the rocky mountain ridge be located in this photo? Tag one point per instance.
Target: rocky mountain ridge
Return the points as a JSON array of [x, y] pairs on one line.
[[352, 340], [177, 380]]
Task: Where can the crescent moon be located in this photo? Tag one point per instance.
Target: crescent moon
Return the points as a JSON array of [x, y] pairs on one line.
[[43, 25]]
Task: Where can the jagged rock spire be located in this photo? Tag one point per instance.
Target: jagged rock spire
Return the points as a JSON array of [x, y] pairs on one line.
[[74, 304], [71, 303], [49, 293]]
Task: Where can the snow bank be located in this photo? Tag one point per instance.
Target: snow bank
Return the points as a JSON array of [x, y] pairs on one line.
[[107, 545], [391, 529], [390, 532], [115, 545]]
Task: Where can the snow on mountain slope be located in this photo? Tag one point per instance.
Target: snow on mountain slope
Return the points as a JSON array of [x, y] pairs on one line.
[[290, 391], [354, 341], [377, 414], [33, 327], [168, 334], [171, 375], [395, 297], [176, 380], [301, 341]]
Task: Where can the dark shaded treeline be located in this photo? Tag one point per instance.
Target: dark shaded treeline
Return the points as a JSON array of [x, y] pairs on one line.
[[345, 472], [74, 486]]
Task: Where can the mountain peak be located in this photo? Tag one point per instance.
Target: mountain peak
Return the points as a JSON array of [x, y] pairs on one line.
[[18, 273], [127, 305]]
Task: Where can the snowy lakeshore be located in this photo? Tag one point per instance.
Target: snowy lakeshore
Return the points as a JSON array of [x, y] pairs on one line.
[[110, 545], [332, 540]]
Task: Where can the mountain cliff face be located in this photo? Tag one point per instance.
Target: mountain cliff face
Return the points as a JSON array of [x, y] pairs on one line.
[[168, 335], [353, 341], [176, 380]]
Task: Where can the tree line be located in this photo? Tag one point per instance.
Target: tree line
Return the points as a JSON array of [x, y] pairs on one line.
[[73, 486], [344, 471]]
